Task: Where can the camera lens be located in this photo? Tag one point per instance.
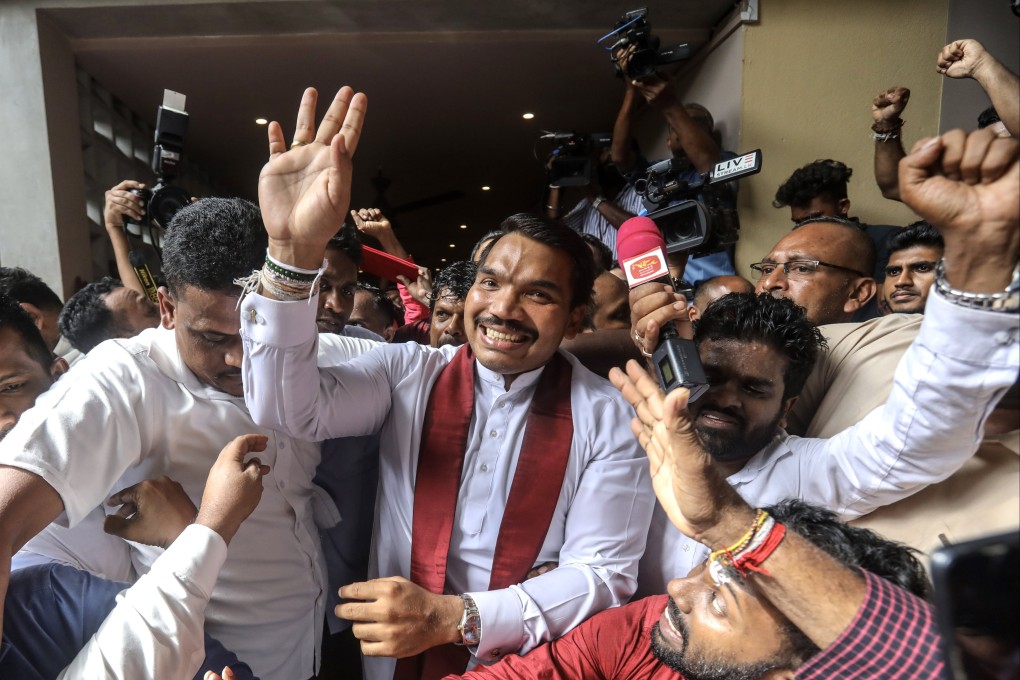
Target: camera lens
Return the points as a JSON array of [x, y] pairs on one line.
[[166, 201]]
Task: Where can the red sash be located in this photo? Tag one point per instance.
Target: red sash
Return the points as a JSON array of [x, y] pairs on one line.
[[534, 491]]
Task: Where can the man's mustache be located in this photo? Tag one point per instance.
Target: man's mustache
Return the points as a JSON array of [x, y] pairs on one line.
[[509, 324]]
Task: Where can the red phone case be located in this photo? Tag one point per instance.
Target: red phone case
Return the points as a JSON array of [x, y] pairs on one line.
[[382, 264]]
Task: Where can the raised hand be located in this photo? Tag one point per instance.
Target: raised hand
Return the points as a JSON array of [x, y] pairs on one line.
[[372, 222], [887, 106], [121, 203], [305, 190], [968, 187], [961, 59], [420, 289], [694, 494]]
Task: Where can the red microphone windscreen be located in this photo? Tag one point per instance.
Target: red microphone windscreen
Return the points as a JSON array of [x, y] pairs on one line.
[[641, 251], [637, 235]]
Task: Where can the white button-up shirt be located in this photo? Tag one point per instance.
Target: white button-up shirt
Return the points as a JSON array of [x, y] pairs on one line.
[[131, 410], [168, 603], [947, 383], [598, 529]]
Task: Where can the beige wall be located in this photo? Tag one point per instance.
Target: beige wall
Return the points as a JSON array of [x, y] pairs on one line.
[[811, 68]]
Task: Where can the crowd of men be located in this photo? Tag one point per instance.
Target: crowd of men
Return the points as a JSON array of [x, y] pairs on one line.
[[298, 473]]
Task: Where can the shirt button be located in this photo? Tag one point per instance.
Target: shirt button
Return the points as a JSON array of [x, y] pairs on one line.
[[493, 434], [283, 445], [485, 468]]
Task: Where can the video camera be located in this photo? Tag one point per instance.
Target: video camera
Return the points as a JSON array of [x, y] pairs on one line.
[[163, 200], [703, 218], [633, 29], [571, 163]]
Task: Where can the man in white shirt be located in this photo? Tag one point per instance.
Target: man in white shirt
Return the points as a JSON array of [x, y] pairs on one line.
[[168, 603], [962, 362], [164, 403], [530, 293]]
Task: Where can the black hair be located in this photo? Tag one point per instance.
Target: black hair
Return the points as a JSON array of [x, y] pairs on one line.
[[919, 233], [826, 178], [383, 304], [456, 278], [777, 322], [863, 252], [212, 242], [18, 320], [709, 120], [601, 252], [488, 236], [852, 547], [348, 241], [86, 319], [560, 237], [987, 117], [25, 287]]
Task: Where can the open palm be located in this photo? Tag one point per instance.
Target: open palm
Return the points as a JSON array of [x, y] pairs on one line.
[[304, 191]]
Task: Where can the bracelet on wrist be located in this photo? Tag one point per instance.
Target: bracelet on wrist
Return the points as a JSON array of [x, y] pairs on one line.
[[887, 127], [1007, 301], [747, 554]]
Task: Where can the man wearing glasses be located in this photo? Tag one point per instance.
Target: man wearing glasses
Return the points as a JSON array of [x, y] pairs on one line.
[[821, 265]]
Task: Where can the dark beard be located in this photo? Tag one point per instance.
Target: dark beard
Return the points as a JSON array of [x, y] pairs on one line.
[[702, 668], [737, 446]]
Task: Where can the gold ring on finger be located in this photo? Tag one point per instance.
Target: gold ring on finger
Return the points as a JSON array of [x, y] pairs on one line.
[[297, 143]]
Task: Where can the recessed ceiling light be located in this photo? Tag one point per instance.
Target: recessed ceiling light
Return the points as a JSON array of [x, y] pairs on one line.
[[528, 116], [486, 188], [261, 121], [442, 259], [453, 245]]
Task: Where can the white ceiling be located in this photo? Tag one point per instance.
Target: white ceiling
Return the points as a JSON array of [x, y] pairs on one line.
[[447, 83]]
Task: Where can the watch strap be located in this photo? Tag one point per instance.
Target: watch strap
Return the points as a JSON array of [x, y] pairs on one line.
[[1005, 301], [470, 626]]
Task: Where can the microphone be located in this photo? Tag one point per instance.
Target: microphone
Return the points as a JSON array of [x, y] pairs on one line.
[[641, 251]]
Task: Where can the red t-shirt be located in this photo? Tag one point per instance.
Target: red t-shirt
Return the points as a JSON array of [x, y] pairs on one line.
[[893, 636]]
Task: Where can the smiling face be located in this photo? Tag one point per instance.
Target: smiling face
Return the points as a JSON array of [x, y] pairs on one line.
[[518, 310], [729, 632], [744, 405], [908, 278], [207, 325]]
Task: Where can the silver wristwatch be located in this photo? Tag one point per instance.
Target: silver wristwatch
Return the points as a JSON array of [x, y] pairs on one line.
[[1006, 301], [597, 202], [470, 627]]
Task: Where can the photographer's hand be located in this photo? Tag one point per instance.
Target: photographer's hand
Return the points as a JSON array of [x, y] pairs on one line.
[[121, 203], [305, 190]]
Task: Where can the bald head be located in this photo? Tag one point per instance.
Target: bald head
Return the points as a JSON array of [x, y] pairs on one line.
[[838, 287], [713, 289]]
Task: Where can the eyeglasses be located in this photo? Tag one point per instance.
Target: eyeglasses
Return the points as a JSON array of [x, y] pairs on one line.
[[796, 269]]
